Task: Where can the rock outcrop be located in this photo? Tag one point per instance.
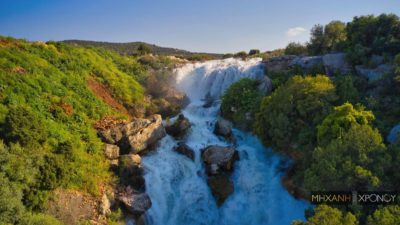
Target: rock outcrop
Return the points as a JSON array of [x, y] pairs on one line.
[[336, 63], [219, 163], [179, 128], [135, 136], [185, 150], [307, 63], [332, 63], [279, 64], [223, 128], [376, 73]]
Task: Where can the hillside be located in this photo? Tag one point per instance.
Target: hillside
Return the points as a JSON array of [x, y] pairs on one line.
[[52, 96], [131, 48]]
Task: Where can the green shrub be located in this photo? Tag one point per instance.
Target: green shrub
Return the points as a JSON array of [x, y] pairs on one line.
[[239, 99], [326, 215], [343, 117], [388, 215], [295, 48], [287, 118]]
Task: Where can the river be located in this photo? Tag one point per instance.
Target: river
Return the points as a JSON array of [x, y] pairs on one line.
[[178, 186]]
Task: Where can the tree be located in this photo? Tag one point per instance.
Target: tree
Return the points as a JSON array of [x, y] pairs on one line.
[[25, 126], [287, 119], [356, 161], [346, 90], [241, 54], [334, 36], [295, 48], [144, 49], [325, 215], [11, 207], [254, 52], [316, 44], [240, 100], [343, 117], [371, 35], [389, 215]]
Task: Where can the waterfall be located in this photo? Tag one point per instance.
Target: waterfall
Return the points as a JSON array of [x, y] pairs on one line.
[[178, 186]]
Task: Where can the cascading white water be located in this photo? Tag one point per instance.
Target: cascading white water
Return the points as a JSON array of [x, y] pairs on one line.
[[178, 187]]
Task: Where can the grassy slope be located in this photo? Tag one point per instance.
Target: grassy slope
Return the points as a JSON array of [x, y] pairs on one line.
[[49, 80]]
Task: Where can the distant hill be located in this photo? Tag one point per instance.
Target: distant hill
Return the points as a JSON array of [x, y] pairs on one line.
[[130, 48]]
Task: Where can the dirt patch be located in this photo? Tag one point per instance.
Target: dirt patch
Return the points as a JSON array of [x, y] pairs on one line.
[[104, 93], [72, 207], [108, 122]]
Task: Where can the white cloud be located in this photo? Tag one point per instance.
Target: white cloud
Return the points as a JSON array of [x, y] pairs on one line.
[[295, 31]]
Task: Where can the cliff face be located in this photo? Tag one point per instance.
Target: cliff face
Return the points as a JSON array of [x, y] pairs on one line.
[[331, 63]]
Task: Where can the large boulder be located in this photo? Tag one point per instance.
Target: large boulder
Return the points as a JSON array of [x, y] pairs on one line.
[[185, 150], [136, 203], [143, 133], [219, 163], [135, 136], [336, 63], [219, 158], [111, 151], [376, 73], [179, 128], [223, 128]]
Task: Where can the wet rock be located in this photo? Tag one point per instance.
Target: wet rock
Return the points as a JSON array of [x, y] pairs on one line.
[[208, 101], [221, 187], [219, 158], [219, 163], [136, 203], [179, 128], [223, 128], [184, 149], [111, 151]]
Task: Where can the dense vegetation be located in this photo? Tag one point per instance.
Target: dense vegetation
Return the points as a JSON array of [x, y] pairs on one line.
[[333, 128], [240, 102], [48, 105], [365, 39]]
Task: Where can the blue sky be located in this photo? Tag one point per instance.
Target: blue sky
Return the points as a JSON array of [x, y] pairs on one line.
[[198, 25]]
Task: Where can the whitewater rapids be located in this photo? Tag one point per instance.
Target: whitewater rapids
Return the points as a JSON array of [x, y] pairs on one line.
[[178, 186]]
